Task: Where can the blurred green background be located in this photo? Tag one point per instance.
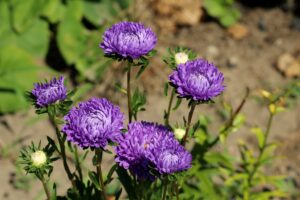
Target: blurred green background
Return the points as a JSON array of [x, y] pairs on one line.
[[39, 37]]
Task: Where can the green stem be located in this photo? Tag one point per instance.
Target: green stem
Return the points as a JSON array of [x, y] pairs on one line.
[[229, 123], [77, 162], [184, 140], [177, 191], [46, 188], [261, 151], [99, 154], [165, 189], [129, 93], [167, 123], [62, 150]]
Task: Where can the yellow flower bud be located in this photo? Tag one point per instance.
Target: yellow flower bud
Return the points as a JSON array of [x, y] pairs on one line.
[[272, 108], [38, 158], [181, 58], [265, 94], [179, 133]]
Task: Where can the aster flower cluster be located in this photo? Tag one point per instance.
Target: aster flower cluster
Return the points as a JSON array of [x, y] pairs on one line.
[[94, 123], [128, 40], [149, 146], [197, 79], [49, 93], [147, 150]]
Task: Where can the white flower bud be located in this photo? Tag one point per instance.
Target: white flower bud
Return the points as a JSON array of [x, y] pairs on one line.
[[181, 58], [38, 158], [179, 133]]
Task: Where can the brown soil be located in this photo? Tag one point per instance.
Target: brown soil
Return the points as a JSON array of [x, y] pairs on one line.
[[248, 62]]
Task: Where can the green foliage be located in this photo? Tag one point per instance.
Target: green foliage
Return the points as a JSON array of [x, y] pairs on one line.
[[223, 10], [28, 27], [219, 175]]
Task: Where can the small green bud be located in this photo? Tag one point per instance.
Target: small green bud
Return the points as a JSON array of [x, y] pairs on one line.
[[38, 158]]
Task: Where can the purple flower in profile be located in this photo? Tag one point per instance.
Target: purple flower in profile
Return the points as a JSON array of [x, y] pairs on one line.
[[128, 40], [94, 123], [197, 79], [49, 93], [142, 149]]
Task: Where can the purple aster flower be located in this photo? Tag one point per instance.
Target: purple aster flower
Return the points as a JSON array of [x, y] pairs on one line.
[[141, 147], [94, 123], [128, 39], [48, 93], [197, 79], [171, 157]]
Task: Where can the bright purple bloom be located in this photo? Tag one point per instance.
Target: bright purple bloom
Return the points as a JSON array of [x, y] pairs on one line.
[[49, 93], [141, 149], [171, 157], [197, 79], [128, 39], [94, 123]]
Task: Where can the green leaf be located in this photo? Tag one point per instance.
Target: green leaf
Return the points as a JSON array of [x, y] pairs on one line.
[[230, 17], [5, 17], [71, 39], [54, 11], [96, 12], [126, 181], [74, 10], [94, 178], [260, 135], [166, 88], [110, 173], [24, 13], [214, 8], [35, 39], [178, 102], [13, 85], [219, 158], [82, 91]]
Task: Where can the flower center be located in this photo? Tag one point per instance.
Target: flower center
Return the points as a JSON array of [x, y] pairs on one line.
[[181, 58], [198, 83], [38, 158], [129, 39], [96, 122], [169, 159]]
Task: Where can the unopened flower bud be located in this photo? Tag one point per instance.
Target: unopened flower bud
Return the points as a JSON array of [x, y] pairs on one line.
[[181, 58], [38, 158], [272, 108], [179, 133], [265, 94]]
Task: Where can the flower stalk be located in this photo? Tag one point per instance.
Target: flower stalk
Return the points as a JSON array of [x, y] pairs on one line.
[[261, 150], [62, 147], [47, 192], [190, 116], [129, 93], [99, 154], [167, 117], [165, 188]]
